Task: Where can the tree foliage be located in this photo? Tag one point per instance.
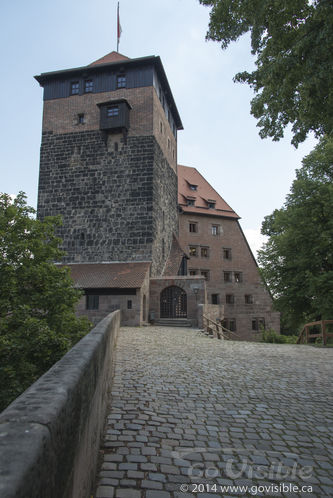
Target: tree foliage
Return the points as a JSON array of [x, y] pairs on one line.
[[297, 260], [37, 298], [293, 42]]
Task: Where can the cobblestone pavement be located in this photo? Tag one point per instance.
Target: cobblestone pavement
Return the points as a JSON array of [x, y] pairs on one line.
[[191, 415]]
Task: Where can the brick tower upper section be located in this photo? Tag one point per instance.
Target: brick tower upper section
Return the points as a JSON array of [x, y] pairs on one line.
[[108, 159]]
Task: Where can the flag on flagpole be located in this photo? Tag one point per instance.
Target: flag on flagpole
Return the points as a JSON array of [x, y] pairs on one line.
[[118, 28]]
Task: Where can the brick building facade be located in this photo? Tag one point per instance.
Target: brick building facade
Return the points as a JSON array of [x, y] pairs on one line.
[[108, 166], [210, 232]]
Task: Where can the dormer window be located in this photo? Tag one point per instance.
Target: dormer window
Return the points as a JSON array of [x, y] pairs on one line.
[[88, 86], [190, 202], [211, 203], [121, 81], [193, 187], [75, 88]]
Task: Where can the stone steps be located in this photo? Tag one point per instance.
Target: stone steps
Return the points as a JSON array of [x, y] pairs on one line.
[[173, 322]]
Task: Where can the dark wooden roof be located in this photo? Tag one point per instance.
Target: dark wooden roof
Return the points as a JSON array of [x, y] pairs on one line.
[[115, 63]]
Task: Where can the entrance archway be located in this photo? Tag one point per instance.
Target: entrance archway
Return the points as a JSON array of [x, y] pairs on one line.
[[173, 302]]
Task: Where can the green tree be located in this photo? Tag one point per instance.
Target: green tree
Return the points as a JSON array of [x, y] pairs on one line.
[[297, 260], [37, 320], [293, 44]]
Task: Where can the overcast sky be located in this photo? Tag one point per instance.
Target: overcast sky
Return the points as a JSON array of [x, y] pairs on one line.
[[220, 137]]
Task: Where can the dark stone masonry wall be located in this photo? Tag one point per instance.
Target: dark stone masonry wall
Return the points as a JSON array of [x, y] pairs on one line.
[[165, 214], [110, 200]]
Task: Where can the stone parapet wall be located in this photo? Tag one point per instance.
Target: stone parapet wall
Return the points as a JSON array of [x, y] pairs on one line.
[[51, 433]]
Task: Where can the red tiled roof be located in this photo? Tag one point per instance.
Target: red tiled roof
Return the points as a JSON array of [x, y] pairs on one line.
[[111, 57], [108, 275], [205, 193]]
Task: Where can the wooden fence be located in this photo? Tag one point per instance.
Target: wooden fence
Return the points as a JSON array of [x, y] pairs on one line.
[[307, 334]]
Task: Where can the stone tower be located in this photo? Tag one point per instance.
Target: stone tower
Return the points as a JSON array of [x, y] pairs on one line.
[[108, 160]]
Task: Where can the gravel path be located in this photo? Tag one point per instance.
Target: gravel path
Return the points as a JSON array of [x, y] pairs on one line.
[[194, 416]]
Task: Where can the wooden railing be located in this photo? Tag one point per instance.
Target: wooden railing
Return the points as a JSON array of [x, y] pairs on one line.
[[216, 329], [306, 333]]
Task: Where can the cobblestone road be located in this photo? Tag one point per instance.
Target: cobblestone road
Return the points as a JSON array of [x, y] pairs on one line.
[[191, 415]]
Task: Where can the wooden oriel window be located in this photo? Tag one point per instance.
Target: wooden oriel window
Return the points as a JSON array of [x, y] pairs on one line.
[[112, 110]]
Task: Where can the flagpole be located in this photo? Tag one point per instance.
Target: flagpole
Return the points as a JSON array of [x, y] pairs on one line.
[[118, 28]]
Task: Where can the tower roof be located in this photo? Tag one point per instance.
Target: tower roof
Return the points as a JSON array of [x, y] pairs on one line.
[[109, 58], [203, 198], [114, 61]]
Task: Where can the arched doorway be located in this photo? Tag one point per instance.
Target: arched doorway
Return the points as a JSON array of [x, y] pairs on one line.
[[173, 303]]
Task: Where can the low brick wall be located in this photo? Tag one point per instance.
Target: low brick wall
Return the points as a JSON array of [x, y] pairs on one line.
[[50, 435]]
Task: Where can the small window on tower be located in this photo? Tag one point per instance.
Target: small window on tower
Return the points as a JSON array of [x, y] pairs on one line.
[[88, 86], [192, 273], [129, 304], [193, 251], [112, 110], [215, 229], [121, 81], [74, 87], [193, 227], [80, 118]]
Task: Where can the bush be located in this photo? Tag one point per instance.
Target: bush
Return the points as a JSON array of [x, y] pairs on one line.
[[271, 336]]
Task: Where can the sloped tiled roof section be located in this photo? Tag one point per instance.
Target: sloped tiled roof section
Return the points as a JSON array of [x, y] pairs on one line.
[[193, 189], [175, 258], [109, 58], [108, 275]]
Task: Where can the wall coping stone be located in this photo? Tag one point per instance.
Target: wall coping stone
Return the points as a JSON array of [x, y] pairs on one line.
[[49, 436]]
